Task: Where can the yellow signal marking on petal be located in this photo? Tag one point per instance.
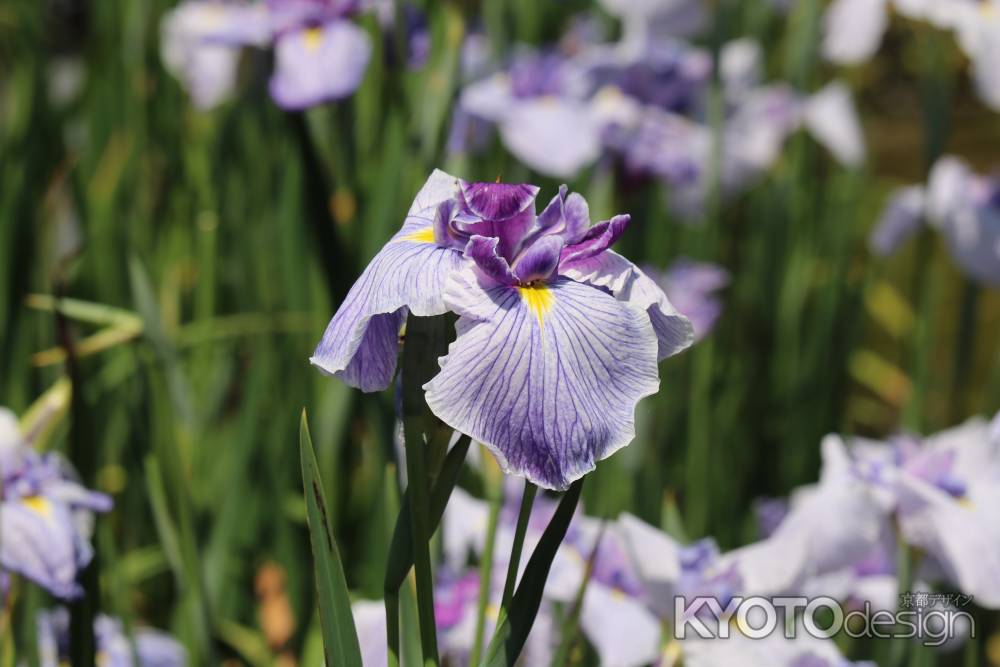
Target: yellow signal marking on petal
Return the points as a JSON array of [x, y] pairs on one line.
[[38, 504], [538, 298], [425, 235], [313, 38]]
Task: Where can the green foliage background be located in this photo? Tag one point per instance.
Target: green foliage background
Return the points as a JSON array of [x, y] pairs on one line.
[[208, 250]]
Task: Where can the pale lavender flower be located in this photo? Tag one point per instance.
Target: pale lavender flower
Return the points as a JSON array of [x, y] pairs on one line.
[[614, 615], [558, 337], [45, 515], [692, 286], [150, 648], [369, 621], [853, 29], [962, 205], [540, 107], [319, 54], [942, 490], [775, 650], [670, 570], [901, 218]]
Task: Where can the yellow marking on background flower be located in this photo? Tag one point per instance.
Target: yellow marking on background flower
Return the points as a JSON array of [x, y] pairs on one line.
[[425, 235], [538, 298], [313, 38], [38, 504]]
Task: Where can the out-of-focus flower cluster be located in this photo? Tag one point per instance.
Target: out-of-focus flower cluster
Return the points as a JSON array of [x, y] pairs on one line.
[[319, 53], [46, 517], [962, 205], [854, 30], [46, 521], [837, 538], [115, 648], [646, 100]]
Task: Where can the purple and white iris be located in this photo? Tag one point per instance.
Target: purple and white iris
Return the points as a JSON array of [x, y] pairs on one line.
[[45, 516], [558, 336], [150, 648], [962, 205], [942, 491], [319, 54]]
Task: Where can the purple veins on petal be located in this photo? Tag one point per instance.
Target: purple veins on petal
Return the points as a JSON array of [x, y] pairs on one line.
[[546, 377], [360, 343]]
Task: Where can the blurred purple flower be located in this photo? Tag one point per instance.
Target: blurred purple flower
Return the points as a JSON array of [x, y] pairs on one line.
[[558, 337], [150, 648], [962, 205], [614, 615], [670, 570], [540, 107], [319, 54], [45, 515], [942, 490], [692, 286], [902, 217]]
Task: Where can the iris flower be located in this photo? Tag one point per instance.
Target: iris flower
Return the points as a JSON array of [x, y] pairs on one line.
[[669, 570], [558, 337], [319, 54], [45, 515], [152, 648], [943, 491], [853, 31], [962, 205], [614, 615], [542, 110]]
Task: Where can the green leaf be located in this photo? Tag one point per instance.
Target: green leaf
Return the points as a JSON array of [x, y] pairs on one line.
[[514, 626], [340, 639]]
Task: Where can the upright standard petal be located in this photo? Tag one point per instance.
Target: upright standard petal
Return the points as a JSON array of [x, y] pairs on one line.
[[833, 121], [853, 30], [360, 343], [901, 218], [319, 64], [628, 283], [554, 136], [546, 376]]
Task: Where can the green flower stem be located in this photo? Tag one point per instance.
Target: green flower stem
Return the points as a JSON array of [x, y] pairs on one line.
[[425, 338]]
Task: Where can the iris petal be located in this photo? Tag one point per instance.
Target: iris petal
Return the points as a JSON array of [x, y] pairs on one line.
[[40, 545], [627, 282], [551, 389], [315, 65], [360, 343]]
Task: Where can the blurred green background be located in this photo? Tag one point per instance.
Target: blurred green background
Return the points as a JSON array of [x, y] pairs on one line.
[[208, 250]]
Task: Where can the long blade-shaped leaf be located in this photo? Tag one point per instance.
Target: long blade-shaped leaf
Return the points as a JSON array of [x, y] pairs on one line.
[[512, 632], [340, 638]]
